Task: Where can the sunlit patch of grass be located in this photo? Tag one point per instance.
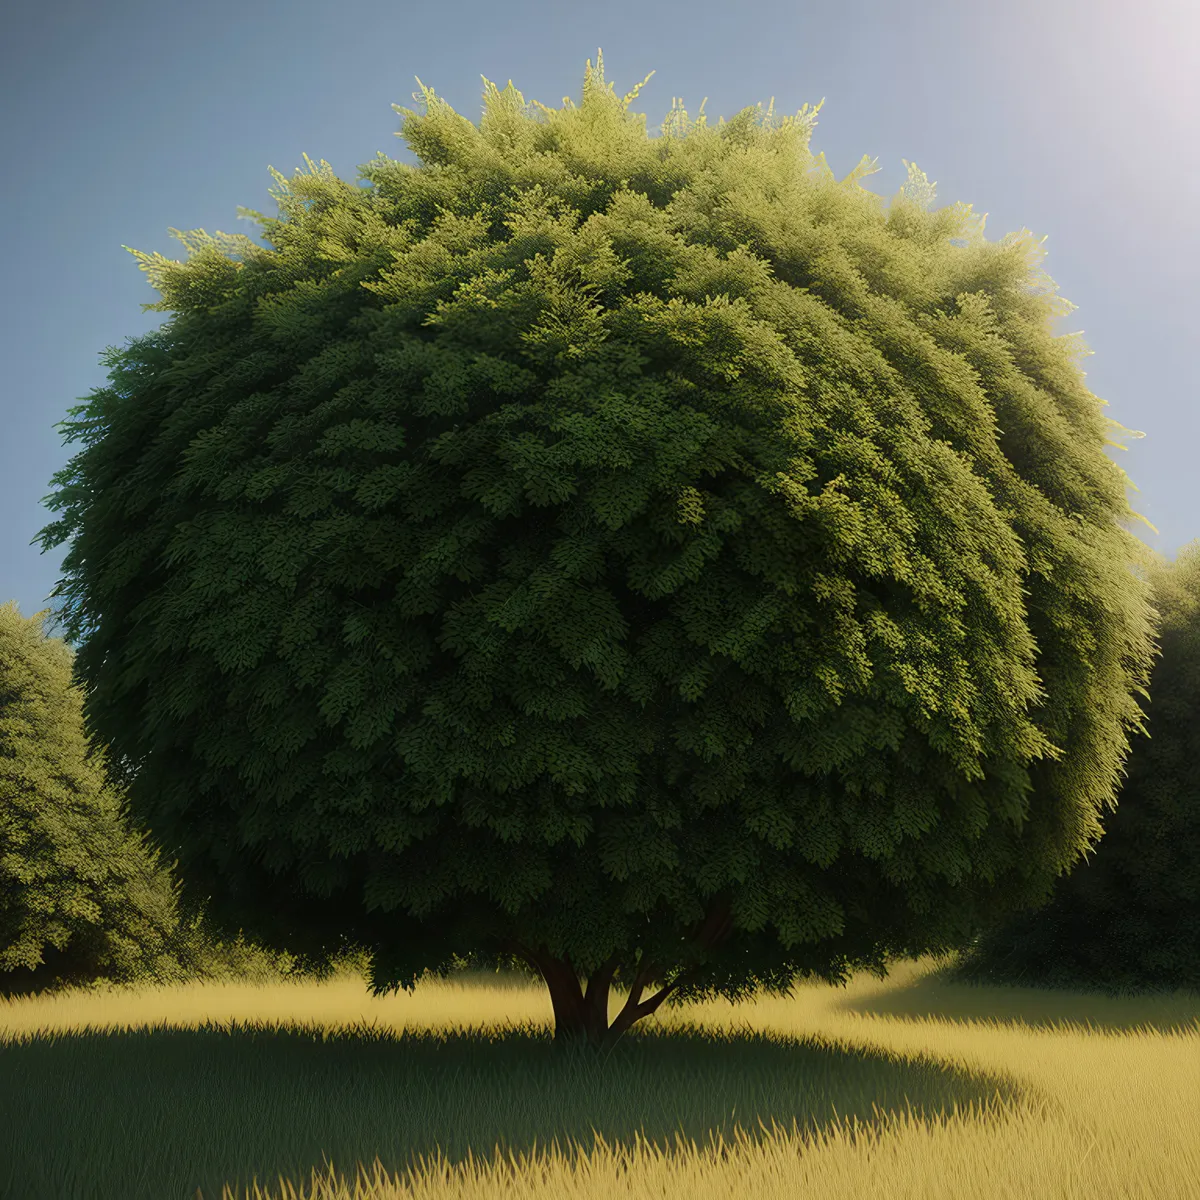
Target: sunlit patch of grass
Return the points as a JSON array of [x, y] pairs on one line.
[[912, 1087]]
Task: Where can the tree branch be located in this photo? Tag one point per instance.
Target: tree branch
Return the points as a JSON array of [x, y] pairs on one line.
[[713, 928], [706, 934]]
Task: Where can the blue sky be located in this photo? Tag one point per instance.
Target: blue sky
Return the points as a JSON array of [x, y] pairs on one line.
[[1069, 118]]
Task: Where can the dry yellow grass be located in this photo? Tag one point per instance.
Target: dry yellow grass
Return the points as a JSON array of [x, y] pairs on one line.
[[1109, 1090]]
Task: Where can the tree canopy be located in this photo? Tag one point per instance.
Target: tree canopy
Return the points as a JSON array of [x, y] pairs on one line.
[[648, 560]]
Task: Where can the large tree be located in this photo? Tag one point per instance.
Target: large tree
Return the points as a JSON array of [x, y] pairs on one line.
[[1127, 919], [648, 561]]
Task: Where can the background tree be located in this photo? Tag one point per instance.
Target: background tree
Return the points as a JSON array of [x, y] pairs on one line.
[[1127, 919], [644, 560], [83, 900]]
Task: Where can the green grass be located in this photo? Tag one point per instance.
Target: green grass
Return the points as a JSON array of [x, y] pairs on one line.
[[914, 1087]]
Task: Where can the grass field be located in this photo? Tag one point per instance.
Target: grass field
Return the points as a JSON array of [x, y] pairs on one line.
[[914, 1087]]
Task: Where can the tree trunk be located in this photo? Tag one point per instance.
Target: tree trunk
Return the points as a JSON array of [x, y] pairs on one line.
[[581, 1016]]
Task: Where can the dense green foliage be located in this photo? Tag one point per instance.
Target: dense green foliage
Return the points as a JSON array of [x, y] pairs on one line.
[[1128, 918], [83, 900], [580, 542], [75, 889]]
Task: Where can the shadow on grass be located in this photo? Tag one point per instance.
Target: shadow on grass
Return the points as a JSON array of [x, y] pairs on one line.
[[163, 1112], [943, 993]]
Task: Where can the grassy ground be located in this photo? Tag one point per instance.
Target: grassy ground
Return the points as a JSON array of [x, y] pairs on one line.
[[916, 1087]]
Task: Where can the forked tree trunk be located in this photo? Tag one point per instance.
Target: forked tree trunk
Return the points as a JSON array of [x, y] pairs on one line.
[[581, 1015]]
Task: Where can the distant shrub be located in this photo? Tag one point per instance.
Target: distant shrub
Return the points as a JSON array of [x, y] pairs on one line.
[[1126, 920]]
